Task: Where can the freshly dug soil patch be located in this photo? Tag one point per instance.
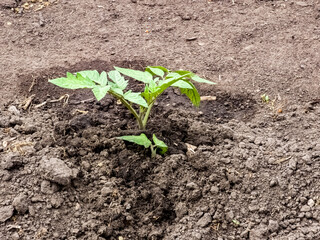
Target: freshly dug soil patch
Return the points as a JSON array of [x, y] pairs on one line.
[[237, 167]]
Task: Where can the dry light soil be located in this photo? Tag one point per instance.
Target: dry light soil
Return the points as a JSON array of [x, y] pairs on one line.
[[237, 167]]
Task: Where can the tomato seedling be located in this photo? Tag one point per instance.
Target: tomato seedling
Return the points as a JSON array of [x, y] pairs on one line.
[[155, 79]]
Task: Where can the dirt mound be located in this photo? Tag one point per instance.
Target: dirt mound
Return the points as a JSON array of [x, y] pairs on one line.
[[236, 168]]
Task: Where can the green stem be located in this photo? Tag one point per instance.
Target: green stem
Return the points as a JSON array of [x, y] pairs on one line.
[[153, 151], [146, 116], [131, 109]]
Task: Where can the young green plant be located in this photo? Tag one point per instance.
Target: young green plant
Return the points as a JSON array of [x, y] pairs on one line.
[[155, 79]]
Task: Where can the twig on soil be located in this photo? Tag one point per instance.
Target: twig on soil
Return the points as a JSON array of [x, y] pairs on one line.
[[79, 111], [64, 97], [32, 84], [52, 135], [281, 160], [27, 102], [83, 101], [18, 146]]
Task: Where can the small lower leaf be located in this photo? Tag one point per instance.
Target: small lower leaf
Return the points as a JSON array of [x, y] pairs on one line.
[[160, 144], [140, 140]]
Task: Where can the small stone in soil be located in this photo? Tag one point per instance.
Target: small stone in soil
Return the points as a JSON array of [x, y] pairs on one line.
[[6, 213], [273, 183], [273, 226], [11, 161], [192, 186], [56, 170], [106, 191], [205, 220], [48, 187], [20, 203], [251, 165], [310, 203], [56, 201], [14, 110], [181, 209], [305, 208]]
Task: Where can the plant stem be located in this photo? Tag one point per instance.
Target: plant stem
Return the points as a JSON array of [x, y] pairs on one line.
[[146, 116], [131, 109], [153, 151]]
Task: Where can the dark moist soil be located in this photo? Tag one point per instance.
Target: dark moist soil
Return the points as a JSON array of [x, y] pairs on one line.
[[236, 168]]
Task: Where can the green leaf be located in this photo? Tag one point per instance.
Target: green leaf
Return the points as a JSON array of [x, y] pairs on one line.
[[146, 94], [155, 71], [159, 67], [93, 75], [117, 90], [71, 76], [163, 85], [136, 98], [100, 91], [103, 80], [183, 72], [174, 75], [193, 76], [192, 94], [201, 80], [153, 86], [144, 77], [73, 82], [160, 144], [140, 140], [116, 77], [182, 84]]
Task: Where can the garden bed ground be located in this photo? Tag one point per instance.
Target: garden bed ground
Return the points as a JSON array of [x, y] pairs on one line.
[[237, 167]]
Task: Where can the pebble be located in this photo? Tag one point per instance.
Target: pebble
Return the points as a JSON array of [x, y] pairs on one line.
[[242, 145], [15, 236], [6, 213], [214, 189], [106, 191], [293, 164], [56, 170], [205, 220], [273, 183], [20, 203], [11, 161], [308, 215], [311, 203], [196, 235], [14, 110], [56, 201], [181, 209], [302, 4], [251, 165], [273, 226], [258, 141], [305, 208], [258, 233], [192, 186], [48, 187]]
